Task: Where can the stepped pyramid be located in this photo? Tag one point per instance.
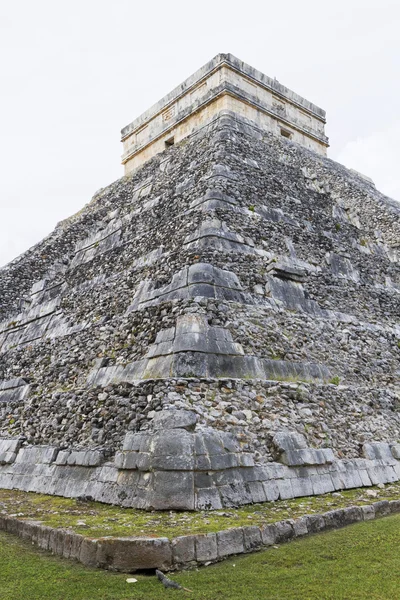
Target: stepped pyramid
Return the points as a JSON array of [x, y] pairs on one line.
[[218, 327]]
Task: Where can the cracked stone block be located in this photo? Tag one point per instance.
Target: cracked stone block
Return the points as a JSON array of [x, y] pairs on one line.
[[322, 484], [234, 495]]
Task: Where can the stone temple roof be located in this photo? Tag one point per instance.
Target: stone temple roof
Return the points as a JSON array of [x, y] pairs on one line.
[[224, 83]]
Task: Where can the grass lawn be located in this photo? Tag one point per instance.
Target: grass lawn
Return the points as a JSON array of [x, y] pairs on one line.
[[359, 562]]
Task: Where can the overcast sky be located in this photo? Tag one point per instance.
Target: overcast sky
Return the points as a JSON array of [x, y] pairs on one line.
[[74, 73]]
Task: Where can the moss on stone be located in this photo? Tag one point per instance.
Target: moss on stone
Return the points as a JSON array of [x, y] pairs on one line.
[[94, 519]]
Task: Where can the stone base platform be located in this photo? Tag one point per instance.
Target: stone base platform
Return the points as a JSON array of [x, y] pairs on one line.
[[136, 554], [178, 465]]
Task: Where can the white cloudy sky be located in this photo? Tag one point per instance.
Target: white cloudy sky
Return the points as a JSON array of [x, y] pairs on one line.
[[72, 74]]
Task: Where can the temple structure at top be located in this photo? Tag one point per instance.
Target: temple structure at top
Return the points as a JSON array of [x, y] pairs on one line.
[[223, 84]]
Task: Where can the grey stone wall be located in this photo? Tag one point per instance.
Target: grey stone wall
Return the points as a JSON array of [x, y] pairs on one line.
[[179, 466], [236, 275]]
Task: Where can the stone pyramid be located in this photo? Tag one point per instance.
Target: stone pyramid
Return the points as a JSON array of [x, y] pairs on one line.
[[218, 327]]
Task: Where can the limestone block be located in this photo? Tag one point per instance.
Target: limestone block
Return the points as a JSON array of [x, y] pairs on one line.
[[170, 463], [212, 442], [133, 554], [352, 514], [315, 523], [172, 491], [230, 542], [285, 488], [394, 506], [135, 442], [229, 476], [206, 547], [187, 364], [378, 474], [300, 526], [252, 538], [202, 463], [284, 531], [381, 508], [8, 450], [285, 441], [57, 541], [328, 455], [224, 461], [183, 550], [301, 486], [271, 490], [208, 499], [395, 449], [229, 441], [43, 537], [246, 459], [173, 442], [378, 451], [257, 491], [234, 495], [334, 519], [322, 484], [368, 512], [126, 460], [269, 535], [174, 419], [12, 383]]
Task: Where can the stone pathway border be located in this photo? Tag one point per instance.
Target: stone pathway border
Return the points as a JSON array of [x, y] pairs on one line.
[[130, 554]]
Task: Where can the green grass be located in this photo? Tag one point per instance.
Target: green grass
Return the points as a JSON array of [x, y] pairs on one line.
[[359, 562], [105, 520]]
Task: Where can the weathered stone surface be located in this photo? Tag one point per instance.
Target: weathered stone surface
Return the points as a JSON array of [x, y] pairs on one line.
[[238, 277], [206, 547], [269, 535], [183, 550], [252, 538], [175, 419], [230, 542], [133, 554]]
